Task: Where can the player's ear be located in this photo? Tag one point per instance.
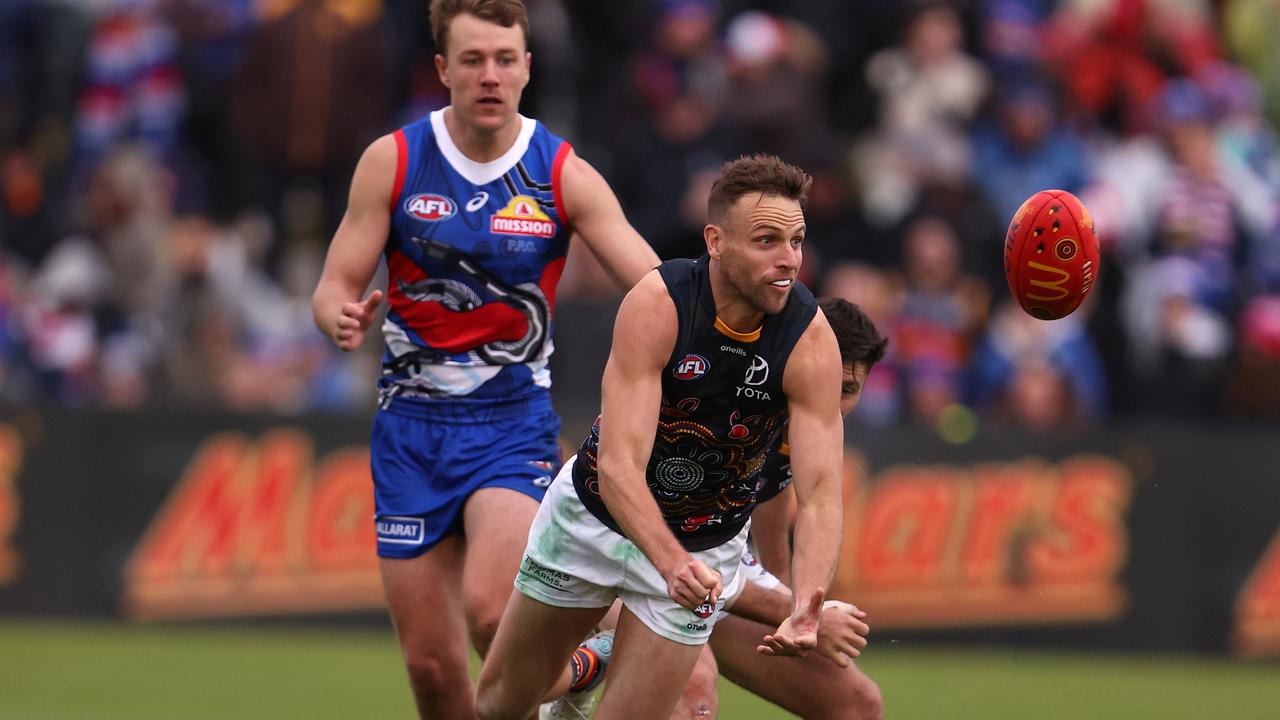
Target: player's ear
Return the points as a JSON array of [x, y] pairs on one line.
[[713, 235], [441, 66]]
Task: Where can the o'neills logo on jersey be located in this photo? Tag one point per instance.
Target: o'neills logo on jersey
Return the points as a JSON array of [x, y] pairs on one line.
[[522, 216], [431, 208]]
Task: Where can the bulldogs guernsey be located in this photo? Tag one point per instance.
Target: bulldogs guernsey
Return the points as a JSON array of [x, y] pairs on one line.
[[474, 255], [722, 410]]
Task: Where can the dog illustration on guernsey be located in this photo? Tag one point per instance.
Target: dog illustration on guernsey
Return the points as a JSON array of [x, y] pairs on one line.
[[454, 318]]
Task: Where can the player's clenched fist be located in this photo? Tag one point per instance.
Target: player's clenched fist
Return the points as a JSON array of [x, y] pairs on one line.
[[842, 635], [693, 584], [356, 317]]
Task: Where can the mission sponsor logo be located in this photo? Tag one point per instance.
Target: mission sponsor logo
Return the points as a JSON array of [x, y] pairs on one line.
[[692, 367], [430, 208], [522, 216]]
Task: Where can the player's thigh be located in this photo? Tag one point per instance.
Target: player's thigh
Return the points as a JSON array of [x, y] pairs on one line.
[[532, 647], [647, 671], [426, 606], [811, 687], [497, 521]]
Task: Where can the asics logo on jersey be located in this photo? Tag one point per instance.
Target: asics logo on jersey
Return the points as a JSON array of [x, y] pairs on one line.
[[478, 201], [758, 372], [430, 208], [692, 367]]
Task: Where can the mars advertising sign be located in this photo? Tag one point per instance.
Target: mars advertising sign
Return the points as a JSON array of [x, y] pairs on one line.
[[263, 526]]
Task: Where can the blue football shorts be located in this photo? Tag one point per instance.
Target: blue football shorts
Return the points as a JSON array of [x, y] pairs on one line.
[[428, 457]]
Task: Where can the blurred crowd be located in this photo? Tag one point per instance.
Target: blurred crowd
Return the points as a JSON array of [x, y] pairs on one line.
[[171, 172]]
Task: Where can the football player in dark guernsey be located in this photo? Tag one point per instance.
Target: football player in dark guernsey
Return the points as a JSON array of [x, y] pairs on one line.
[[711, 358]]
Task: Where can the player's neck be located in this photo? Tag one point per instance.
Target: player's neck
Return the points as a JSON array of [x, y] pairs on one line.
[[735, 311], [479, 144]]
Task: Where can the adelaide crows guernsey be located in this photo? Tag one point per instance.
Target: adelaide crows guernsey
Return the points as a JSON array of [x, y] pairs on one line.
[[473, 257], [775, 476], [722, 409]]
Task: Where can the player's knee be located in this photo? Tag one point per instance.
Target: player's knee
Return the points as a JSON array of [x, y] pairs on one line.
[[857, 699], [482, 623], [432, 675], [700, 694]]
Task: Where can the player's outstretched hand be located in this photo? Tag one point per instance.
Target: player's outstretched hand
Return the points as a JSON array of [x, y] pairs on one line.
[[798, 634], [694, 584], [842, 635], [356, 317]]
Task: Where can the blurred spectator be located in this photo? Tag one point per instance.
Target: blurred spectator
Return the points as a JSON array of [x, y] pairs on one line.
[[928, 88], [680, 86], [133, 89], [1026, 150], [311, 94], [942, 312], [777, 68], [1038, 374], [1113, 56]]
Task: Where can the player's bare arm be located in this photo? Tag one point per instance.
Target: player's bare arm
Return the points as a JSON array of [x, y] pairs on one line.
[[812, 384], [771, 534], [596, 216], [643, 338], [339, 310]]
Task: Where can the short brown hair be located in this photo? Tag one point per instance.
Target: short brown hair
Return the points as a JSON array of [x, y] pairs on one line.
[[856, 334], [500, 12], [764, 174]]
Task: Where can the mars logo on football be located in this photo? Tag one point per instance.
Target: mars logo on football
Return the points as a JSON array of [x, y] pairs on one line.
[[430, 208], [691, 367], [522, 216]]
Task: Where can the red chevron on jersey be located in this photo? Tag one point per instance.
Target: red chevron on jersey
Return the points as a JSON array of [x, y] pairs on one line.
[[457, 330]]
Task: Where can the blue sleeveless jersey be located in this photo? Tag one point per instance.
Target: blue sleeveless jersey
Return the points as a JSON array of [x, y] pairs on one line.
[[474, 254]]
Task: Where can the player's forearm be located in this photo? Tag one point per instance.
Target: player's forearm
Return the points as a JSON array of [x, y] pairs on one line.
[[817, 544], [765, 605], [627, 497], [326, 305]]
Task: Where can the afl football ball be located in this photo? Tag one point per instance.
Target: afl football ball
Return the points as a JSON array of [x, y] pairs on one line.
[[1051, 254]]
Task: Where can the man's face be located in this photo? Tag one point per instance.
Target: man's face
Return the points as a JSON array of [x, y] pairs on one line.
[[486, 70], [855, 376], [759, 248]]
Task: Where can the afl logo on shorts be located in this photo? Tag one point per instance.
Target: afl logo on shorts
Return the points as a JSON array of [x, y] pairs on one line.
[[430, 208], [705, 610], [692, 367]]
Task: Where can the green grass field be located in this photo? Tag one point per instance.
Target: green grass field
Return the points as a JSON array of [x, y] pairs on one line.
[[89, 671]]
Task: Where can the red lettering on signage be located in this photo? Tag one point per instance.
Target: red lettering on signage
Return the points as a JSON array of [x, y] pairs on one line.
[[1017, 542], [908, 520], [339, 525], [1257, 630], [10, 508], [231, 510], [1087, 537], [1002, 507], [249, 529]]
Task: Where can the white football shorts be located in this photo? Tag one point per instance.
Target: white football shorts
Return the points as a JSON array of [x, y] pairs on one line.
[[574, 560]]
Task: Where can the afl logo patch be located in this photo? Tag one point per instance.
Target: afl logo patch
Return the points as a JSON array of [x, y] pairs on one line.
[[430, 208], [692, 367]]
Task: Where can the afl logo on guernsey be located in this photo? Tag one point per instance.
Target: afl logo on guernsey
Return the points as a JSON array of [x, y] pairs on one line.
[[430, 208], [691, 367], [522, 216]]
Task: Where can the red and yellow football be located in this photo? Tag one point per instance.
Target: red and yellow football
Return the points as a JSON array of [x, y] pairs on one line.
[[1051, 254]]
